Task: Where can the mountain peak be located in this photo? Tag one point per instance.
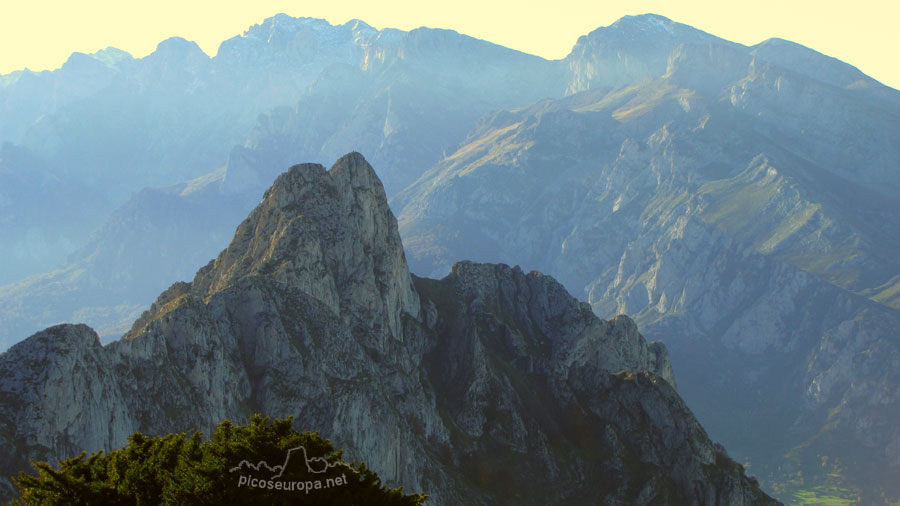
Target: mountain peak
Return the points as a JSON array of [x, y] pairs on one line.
[[285, 24], [799, 58], [643, 29], [111, 56], [329, 234], [285, 40], [352, 169], [179, 46], [358, 24], [59, 339], [81, 62], [282, 21], [630, 50], [646, 21]]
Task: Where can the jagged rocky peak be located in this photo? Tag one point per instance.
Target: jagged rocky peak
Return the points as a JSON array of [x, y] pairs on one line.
[[568, 331], [112, 55], [644, 28], [358, 24], [512, 347], [84, 66], [630, 50], [329, 234], [291, 319], [829, 70], [278, 30], [57, 379], [810, 62], [646, 22], [49, 345], [179, 48], [285, 23], [299, 41], [175, 57]]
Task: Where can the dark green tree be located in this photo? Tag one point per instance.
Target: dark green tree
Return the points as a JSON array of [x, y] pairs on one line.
[[238, 465]]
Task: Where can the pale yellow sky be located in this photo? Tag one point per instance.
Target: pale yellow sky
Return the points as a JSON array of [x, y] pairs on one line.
[[41, 34]]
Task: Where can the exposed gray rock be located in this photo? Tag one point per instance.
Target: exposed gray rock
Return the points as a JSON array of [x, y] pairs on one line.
[[60, 394], [490, 386]]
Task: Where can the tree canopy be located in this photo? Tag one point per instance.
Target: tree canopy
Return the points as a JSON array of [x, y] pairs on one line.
[[259, 463]]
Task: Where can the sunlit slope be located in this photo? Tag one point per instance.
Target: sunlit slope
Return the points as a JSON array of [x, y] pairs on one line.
[[839, 221]]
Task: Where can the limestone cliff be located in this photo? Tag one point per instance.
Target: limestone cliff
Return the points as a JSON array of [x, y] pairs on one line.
[[490, 386]]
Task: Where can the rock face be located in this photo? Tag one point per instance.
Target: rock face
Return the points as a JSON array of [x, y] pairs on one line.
[[489, 386], [63, 384], [744, 212], [632, 49]]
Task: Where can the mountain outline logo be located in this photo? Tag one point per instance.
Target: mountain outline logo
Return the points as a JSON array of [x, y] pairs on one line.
[[314, 465]]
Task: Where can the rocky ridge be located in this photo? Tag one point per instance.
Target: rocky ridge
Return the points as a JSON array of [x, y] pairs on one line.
[[490, 386], [746, 237]]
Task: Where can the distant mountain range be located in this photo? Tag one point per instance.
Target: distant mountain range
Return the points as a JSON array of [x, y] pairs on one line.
[[743, 212], [741, 203], [108, 125]]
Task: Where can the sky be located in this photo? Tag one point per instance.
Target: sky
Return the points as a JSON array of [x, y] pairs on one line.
[[41, 35]]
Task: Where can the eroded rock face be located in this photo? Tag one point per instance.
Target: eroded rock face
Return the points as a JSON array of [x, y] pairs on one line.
[[328, 234], [568, 330], [490, 386], [59, 395]]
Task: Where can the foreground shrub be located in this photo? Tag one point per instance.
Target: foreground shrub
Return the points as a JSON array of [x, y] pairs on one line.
[[260, 463]]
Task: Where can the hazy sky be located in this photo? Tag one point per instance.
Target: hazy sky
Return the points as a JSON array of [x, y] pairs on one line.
[[41, 34]]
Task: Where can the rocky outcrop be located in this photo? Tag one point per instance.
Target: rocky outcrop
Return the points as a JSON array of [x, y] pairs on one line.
[[490, 386], [59, 395], [567, 330], [295, 239], [631, 50]]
